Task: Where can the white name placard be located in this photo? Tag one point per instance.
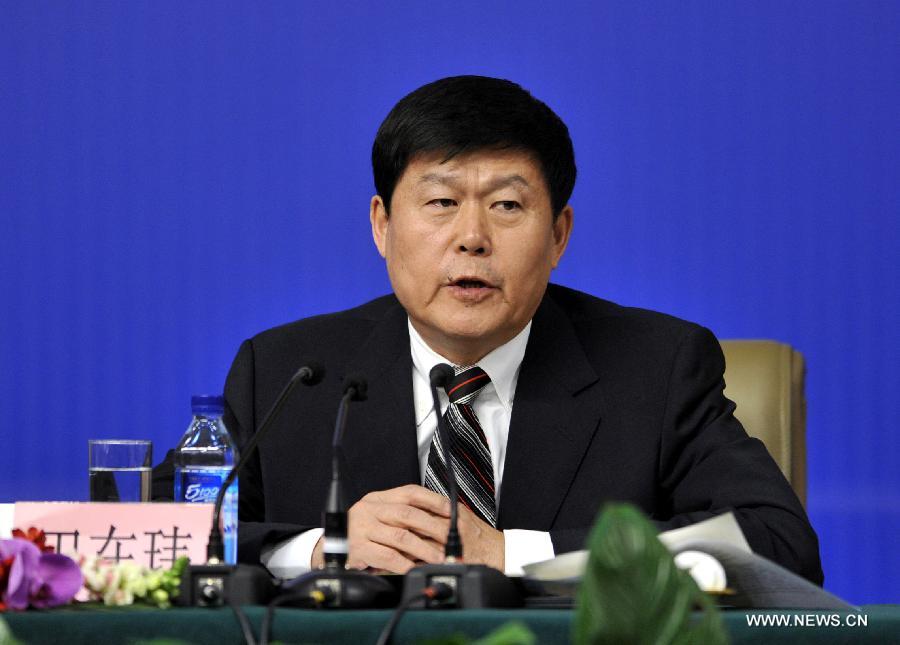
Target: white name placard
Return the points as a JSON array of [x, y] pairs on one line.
[[152, 534]]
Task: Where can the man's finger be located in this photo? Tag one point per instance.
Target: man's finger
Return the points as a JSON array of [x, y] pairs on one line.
[[413, 495], [421, 522], [378, 556], [427, 500], [406, 542]]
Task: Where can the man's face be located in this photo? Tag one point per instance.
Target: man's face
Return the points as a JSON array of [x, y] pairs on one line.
[[469, 246]]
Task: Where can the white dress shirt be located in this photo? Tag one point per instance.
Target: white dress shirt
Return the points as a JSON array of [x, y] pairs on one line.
[[493, 407]]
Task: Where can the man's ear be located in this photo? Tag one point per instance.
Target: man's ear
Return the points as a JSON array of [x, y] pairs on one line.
[[562, 230], [378, 216]]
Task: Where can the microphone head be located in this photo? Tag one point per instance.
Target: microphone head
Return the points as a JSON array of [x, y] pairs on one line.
[[356, 382], [441, 375], [315, 372]]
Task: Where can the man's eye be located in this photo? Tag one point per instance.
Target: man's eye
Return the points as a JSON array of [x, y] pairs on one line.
[[443, 203], [508, 205]]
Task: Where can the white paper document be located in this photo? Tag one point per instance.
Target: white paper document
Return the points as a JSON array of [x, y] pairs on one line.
[[716, 554]]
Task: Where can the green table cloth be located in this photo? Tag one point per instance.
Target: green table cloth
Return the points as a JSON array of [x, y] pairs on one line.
[[872, 624]]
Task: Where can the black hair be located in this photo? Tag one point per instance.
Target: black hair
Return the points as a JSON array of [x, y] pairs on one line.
[[463, 114]]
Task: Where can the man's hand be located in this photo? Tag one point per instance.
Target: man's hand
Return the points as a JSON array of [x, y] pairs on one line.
[[393, 530], [481, 542]]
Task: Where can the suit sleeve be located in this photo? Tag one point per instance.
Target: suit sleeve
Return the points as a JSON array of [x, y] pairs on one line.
[[708, 465], [241, 418]]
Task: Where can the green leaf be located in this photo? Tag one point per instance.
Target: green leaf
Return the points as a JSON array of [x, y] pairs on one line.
[[511, 633], [6, 636], [632, 592]]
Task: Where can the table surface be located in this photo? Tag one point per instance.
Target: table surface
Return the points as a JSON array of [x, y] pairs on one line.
[[360, 627]]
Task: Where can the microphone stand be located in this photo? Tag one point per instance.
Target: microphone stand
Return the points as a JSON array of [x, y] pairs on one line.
[[335, 586], [215, 583], [473, 586]]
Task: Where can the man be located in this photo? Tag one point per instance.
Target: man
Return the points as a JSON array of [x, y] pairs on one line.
[[570, 401]]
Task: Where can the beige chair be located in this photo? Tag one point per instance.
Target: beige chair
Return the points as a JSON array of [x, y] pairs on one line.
[[766, 380]]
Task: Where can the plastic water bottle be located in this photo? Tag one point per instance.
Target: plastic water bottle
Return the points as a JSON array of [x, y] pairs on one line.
[[203, 459]]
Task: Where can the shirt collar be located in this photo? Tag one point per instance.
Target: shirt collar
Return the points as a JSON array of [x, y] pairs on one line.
[[501, 365]]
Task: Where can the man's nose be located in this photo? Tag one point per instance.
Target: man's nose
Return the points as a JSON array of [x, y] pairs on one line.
[[473, 234]]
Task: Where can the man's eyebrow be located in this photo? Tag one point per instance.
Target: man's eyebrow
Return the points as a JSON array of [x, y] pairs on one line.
[[444, 179], [507, 180], [448, 179]]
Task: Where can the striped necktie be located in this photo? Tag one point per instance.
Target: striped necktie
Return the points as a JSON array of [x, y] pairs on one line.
[[468, 444]]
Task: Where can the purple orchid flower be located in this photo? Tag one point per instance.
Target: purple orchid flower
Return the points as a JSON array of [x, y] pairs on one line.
[[35, 578], [24, 561]]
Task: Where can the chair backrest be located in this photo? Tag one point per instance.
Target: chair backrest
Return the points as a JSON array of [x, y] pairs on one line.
[[766, 380]]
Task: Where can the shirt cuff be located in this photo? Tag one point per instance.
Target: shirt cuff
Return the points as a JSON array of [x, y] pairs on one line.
[[525, 547], [292, 557]]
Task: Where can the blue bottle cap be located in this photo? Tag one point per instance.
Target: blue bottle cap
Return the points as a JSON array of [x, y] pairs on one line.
[[207, 404]]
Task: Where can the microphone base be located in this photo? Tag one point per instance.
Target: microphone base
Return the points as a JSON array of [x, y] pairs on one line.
[[475, 586], [214, 585], [343, 589]]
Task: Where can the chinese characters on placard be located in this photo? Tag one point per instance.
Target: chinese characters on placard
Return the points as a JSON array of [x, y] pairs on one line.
[[153, 548]]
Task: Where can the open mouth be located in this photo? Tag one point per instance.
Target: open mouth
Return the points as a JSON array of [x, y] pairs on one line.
[[471, 290], [470, 283]]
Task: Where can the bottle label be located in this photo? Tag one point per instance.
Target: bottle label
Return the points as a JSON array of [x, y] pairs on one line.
[[202, 487]]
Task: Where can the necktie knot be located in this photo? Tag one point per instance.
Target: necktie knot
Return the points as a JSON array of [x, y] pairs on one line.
[[467, 384]]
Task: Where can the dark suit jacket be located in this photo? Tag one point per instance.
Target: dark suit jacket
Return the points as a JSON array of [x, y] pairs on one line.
[[612, 403]]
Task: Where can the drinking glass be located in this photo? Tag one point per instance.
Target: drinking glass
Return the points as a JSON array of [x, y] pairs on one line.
[[119, 469]]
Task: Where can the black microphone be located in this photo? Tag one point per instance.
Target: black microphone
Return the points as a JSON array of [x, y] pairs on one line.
[[474, 586], [334, 517], [310, 374], [335, 586], [441, 376], [210, 584]]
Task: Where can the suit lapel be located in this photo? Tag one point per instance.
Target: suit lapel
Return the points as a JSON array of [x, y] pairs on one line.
[[556, 412], [380, 449]]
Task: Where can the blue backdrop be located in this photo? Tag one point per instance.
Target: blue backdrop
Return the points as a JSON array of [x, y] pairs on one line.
[[175, 177]]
